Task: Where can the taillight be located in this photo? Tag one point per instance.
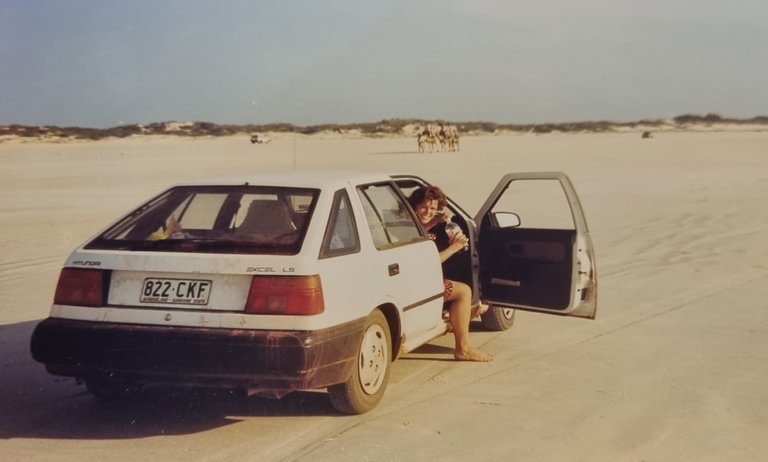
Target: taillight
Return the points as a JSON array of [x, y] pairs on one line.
[[302, 295], [82, 287]]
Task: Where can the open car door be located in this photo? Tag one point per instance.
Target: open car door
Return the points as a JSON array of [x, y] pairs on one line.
[[534, 247]]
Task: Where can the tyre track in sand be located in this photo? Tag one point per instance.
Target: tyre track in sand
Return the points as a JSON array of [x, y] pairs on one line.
[[439, 380]]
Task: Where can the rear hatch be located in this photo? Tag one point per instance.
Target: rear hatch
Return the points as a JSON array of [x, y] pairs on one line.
[[209, 248]]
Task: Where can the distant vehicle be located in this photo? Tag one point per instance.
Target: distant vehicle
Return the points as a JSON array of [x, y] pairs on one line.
[[260, 138], [304, 280]]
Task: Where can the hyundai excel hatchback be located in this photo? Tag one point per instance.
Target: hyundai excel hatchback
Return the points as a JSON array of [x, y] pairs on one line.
[[291, 281]]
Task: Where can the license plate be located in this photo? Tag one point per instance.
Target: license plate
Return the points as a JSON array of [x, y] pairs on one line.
[[176, 291]]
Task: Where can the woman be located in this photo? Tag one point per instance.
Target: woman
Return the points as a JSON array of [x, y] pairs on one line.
[[426, 201]]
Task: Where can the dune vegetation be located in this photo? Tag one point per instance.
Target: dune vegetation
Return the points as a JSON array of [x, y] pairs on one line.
[[386, 127]]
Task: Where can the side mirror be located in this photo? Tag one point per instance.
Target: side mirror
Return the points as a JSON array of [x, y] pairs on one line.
[[507, 219]]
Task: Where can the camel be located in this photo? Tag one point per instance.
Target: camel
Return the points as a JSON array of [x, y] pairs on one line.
[[443, 137], [446, 137], [453, 136], [426, 140], [449, 137]]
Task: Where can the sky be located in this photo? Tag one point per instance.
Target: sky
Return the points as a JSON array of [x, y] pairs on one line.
[[100, 64]]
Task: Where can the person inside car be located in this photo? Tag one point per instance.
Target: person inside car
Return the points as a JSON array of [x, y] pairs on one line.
[[426, 201]]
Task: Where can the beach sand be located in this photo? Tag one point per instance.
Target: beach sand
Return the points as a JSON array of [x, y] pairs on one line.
[[674, 367]]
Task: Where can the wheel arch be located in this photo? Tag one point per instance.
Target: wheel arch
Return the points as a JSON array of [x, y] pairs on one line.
[[395, 328]]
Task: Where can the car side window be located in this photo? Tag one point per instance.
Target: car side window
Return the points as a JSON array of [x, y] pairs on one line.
[[341, 236], [388, 216]]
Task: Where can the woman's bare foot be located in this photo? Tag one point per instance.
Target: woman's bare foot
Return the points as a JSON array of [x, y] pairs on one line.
[[472, 355], [479, 309]]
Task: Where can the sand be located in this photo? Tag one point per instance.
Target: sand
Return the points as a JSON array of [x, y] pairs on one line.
[[674, 368]]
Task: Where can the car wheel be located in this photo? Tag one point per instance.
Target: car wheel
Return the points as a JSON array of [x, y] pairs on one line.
[[365, 387], [111, 390], [498, 318]]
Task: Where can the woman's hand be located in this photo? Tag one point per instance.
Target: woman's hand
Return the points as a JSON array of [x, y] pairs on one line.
[[445, 216], [458, 242], [441, 217]]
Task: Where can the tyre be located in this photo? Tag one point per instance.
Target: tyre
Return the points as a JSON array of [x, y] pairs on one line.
[[366, 385], [498, 318], [111, 390]]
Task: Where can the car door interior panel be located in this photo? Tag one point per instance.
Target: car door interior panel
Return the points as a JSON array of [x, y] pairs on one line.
[[527, 266]]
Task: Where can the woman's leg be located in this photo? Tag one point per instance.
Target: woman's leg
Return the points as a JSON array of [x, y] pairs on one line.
[[460, 314]]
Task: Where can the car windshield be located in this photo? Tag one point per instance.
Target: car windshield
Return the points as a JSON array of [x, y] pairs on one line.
[[222, 219]]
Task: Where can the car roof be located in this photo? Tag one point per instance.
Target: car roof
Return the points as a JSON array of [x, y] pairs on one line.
[[322, 179]]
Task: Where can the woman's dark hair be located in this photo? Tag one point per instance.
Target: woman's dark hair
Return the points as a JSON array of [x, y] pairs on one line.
[[427, 193]]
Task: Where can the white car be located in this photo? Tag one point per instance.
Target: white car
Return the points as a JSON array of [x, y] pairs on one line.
[[260, 138], [302, 280]]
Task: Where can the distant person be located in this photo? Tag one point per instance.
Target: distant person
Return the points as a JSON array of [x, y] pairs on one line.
[[426, 201]]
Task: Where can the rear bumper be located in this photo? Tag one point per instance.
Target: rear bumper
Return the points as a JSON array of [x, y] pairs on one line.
[[272, 362]]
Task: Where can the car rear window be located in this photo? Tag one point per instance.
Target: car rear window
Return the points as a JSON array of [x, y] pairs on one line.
[[220, 219]]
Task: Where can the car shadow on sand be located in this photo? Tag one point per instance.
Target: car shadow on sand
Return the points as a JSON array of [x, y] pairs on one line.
[[430, 352], [161, 412], [36, 404]]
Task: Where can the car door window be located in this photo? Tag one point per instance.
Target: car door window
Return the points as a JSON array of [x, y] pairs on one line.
[[388, 216], [539, 204], [341, 236]]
